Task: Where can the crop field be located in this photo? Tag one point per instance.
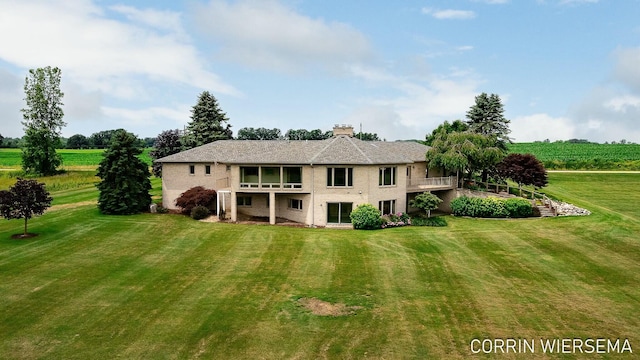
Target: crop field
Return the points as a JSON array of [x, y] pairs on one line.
[[583, 156], [73, 159], [164, 286]]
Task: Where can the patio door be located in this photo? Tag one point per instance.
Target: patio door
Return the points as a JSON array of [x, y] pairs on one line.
[[338, 213]]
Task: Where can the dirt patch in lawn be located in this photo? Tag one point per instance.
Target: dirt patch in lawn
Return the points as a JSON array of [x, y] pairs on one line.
[[324, 308]]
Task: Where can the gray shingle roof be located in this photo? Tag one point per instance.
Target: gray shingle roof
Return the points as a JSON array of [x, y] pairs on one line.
[[337, 150]]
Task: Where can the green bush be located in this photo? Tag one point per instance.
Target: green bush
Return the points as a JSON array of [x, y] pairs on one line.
[[491, 207], [436, 221], [518, 208], [199, 212], [366, 217]]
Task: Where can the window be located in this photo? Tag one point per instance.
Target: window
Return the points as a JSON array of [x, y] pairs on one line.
[[387, 207], [192, 169], [295, 204], [244, 200], [270, 176], [292, 177], [249, 176], [338, 213], [339, 176], [387, 176], [207, 169]]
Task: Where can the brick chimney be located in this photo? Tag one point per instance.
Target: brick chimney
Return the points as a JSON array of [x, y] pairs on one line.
[[343, 130]]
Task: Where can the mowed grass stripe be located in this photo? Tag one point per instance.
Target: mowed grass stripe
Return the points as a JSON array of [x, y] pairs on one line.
[[165, 286]]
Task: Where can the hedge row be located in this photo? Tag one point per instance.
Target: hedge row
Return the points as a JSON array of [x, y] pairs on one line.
[[491, 207]]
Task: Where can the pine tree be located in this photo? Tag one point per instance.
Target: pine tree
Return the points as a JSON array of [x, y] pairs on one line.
[[486, 117], [125, 185], [42, 121], [208, 123]]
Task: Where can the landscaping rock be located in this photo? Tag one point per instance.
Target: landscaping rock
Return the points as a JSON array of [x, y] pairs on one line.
[[564, 209]]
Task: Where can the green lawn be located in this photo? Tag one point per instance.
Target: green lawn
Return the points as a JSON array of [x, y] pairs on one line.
[[165, 286]]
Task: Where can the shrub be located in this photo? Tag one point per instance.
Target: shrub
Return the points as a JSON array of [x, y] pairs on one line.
[[199, 212], [518, 208], [196, 196], [437, 221], [491, 207], [366, 217], [395, 220]]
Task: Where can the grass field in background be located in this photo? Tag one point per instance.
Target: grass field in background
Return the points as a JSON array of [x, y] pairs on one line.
[[165, 286]]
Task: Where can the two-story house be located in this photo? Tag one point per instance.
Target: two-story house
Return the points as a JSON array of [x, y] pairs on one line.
[[316, 183]]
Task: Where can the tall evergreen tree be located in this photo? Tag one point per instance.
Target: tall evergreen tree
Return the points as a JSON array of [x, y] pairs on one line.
[[42, 121], [208, 123], [486, 117], [125, 185], [167, 143]]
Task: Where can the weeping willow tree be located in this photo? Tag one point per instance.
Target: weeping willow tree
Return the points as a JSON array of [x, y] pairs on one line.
[[464, 153]]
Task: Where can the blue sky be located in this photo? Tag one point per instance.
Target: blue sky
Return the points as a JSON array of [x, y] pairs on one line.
[[563, 68]]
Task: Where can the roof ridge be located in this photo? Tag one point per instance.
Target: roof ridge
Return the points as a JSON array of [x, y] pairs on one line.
[[331, 141], [360, 150]]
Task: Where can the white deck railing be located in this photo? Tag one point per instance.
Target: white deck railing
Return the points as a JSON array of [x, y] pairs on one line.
[[439, 182]]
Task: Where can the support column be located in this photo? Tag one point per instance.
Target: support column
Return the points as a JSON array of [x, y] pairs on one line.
[[234, 206], [272, 208]]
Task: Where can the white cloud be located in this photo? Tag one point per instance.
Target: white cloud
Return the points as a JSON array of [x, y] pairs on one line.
[[538, 127], [268, 35], [11, 94], [627, 70], [622, 103], [449, 14], [412, 107], [105, 52]]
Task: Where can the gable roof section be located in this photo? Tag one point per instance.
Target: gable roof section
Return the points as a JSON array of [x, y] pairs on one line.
[[337, 150]]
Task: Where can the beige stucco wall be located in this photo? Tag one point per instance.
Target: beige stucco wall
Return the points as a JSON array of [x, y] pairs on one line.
[[176, 180], [315, 194]]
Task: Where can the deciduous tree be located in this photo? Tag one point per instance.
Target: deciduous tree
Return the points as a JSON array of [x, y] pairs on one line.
[[42, 121], [464, 152], [125, 185], [455, 126], [303, 134], [250, 133], [23, 200], [425, 202], [167, 143], [524, 169], [78, 142], [208, 123]]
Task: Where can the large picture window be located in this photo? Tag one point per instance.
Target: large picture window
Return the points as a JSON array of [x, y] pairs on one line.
[[249, 176], [340, 177], [387, 176], [338, 213], [292, 177]]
